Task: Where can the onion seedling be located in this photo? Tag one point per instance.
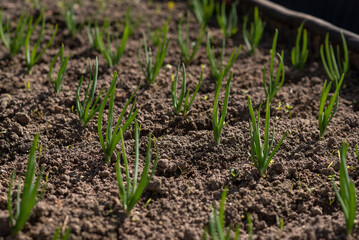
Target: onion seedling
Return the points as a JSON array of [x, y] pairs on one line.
[[63, 234], [227, 25], [203, 10], [189, 49], [70, 19], [83, 109], [150, 71], [357, 152], [29, 196], [217, 68], [13, 39], [299, 56], [347, 194], [111, 57], [177, 103], [274, 85], [113, 136], [260, 154], [91, 34], [156, 35], [333, 64], [56, 83], [254, 35], [131, 193], [216, 224], [32, 57], [218, 124], [326, 114]]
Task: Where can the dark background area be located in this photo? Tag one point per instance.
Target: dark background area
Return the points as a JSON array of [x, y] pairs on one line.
[[342, 13]]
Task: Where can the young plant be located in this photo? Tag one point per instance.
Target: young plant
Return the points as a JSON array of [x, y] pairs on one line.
[[357, 152], [216, 224], [274, 84], [333, 64], [177, 103], [260, 154], [132, 191], [189, 49], [347, 195], [32, 57], [228, 26], [60, 234], [299, 56], [254, 35], [203, 10], [84, 109], [150, 71], [13, 39], [70, 19], [92, 37], [113, 136], [113, 58], [326, 114], [29, 196], [218, 124], [56, 83], [217, 68]]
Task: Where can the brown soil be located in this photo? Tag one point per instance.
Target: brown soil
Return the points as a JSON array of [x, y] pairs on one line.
[[192, 170]]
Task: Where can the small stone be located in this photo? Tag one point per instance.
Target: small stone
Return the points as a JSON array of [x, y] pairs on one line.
[[4, 146], [24, 147], [104, 174], [4, 224], [17, 128], [331, 142], [316, 211], [22, 118], [58, 109]]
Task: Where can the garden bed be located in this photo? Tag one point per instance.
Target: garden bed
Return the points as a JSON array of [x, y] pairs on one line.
[[82, 191]]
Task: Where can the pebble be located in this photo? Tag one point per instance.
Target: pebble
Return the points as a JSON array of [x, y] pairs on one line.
[[316, 211], [22, 118], [17, 128]]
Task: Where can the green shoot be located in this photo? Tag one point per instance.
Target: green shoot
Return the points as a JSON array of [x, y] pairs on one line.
[[189, 49], [326, 114], [216, 224], [260, 154], [91, 34], [85, 111], [203, 10], [254, 35], [177, 103], [13, 39], [36, 4], [217, 68], [113, 137], [150, 71], [357, 152], [299, 56], [70, 19], [25, 200], [347, 195], [250, 226], [155, 35], [56, 83], [333, 64], [131, 193], [111, 57], [32, 57], [218, 124], [63, 235], [228, 26], [274, 84]]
